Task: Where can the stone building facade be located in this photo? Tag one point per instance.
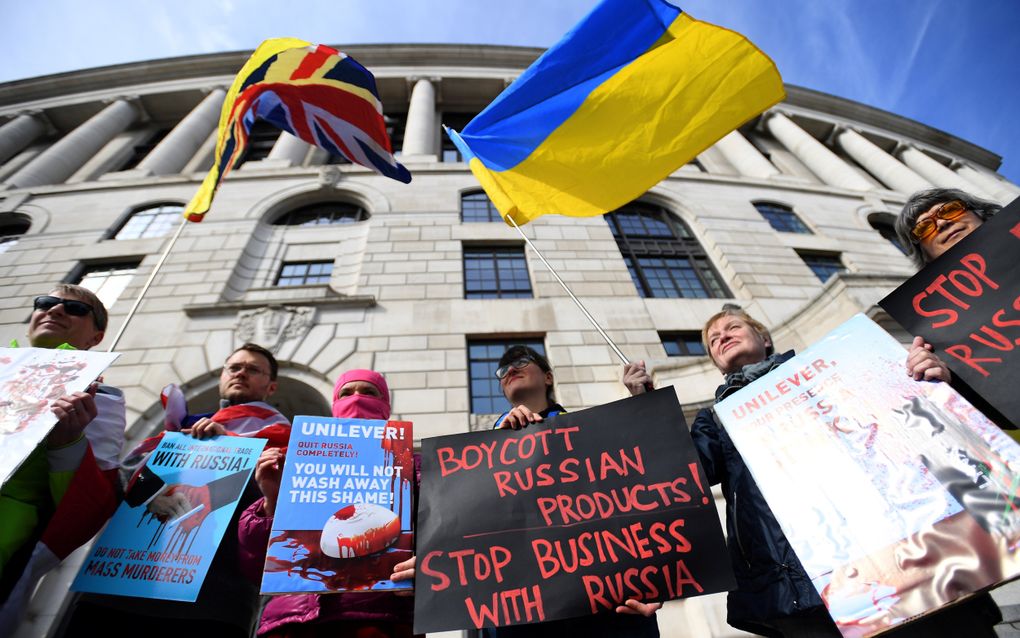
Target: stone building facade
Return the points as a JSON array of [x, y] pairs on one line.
[[334, 267]]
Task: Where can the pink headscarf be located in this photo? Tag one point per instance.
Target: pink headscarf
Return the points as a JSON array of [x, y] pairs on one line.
[[361, 406]]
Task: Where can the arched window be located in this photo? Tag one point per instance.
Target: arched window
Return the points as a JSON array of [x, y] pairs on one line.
[[12, 227], [663, 256], [782, 218], [322, 214], [884, 224], [151, 221], [477, 207]]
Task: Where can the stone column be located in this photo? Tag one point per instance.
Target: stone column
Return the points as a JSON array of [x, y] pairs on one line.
[[882, 165], [420, 132], [935, 172], [180, 145], [822, 162], [1003, 192], [291, 148], [19, 133], [745, 157], [60, 161]]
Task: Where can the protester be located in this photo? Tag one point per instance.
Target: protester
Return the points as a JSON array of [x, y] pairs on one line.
[[933, 221], [527, 383], [774, 595], [227, 603], [68, 487], [358, 394]]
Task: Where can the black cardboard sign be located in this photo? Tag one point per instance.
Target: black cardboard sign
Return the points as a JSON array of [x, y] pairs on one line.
[[565, 518], [966, 304]]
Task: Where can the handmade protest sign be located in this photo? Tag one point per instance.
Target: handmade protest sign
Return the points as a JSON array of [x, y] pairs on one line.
[[966, 304], [898, 496], [31, 379], [344, 515], [565, 518], [162, 539]]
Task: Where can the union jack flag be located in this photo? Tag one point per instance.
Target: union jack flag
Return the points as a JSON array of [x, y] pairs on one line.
[[316, 93]]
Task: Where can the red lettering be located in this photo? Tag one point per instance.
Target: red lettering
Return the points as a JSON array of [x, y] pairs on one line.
[[820, 364], [547, 564], [998, 340], [502, 480], [546, 506], [565, 433], [567, 475], [445, 455], [682, 544], [966, 355], [951, 315], [976, 264], [595, 591], [426, 568]]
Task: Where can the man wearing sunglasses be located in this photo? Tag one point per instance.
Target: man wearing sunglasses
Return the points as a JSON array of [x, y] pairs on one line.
[[67, 489]]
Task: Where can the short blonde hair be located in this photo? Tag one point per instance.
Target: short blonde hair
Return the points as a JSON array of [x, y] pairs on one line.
[[741, 314]]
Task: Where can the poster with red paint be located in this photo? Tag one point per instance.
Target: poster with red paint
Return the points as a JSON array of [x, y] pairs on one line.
[[966, 304], [565, 518], [31, 379], [898, 496], [162, 539], [344, 514]]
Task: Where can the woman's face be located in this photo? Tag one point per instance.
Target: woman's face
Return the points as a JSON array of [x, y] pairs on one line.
[[359, 387], [947, 231]]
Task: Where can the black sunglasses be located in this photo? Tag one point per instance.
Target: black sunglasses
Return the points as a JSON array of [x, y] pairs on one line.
[[72, 307]]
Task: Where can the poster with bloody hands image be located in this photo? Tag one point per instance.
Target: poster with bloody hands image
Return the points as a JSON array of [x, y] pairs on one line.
[[163, 537], [565, 518], [966, 304], [344, 513]]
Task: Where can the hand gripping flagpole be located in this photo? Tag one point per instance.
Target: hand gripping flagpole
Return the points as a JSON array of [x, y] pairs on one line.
[[148, 283], [577, 301]]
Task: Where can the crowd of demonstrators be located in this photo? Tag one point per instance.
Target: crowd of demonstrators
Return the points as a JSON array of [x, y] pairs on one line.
[[526, 379], [359, 394], [68, 487], [227, 603]]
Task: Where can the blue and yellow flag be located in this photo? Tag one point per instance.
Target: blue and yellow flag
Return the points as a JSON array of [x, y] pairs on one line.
[[633, 92], [316, 93]]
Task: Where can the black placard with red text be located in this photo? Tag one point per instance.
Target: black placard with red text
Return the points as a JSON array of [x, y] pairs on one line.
[[966, 304], [565, 518]]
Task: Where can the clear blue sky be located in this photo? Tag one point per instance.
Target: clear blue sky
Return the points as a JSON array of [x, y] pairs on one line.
[[951, 65]]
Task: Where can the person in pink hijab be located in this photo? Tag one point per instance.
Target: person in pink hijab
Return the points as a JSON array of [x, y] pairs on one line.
[[358, 394]]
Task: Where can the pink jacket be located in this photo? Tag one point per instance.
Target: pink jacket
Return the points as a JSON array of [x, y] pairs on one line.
[[253, 534]]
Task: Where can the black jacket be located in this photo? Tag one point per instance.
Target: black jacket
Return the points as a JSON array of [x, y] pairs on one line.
[[771, 582]]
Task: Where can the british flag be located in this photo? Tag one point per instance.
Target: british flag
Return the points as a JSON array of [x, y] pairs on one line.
[[316, 93]]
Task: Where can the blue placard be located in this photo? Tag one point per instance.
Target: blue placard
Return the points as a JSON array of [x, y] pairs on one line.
[[162, 539], [344, 514]]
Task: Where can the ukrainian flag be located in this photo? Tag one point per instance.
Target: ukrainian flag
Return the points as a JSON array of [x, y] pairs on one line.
[[634, 91]]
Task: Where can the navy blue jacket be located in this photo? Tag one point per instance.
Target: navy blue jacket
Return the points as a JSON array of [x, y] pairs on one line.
[[771, 582]]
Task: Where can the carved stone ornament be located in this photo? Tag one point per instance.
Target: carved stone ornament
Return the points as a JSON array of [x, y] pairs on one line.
[[270, 326]]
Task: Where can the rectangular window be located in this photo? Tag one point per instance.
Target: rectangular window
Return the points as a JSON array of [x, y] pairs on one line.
[[302, 273], [476, 207], [495, 273], [822, 264], [682, 344], [261, 140], [782, 219], [156, 221], [483, 359], [108, 281]]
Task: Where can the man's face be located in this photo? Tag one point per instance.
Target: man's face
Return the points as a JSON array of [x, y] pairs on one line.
[[947, 231], [521, 382], [733, 344], [245, 378], [53, 327]]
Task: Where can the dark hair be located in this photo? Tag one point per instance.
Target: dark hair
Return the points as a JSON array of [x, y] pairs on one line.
[[99, 314], [516, 352], [255, 348], [922, 201]]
